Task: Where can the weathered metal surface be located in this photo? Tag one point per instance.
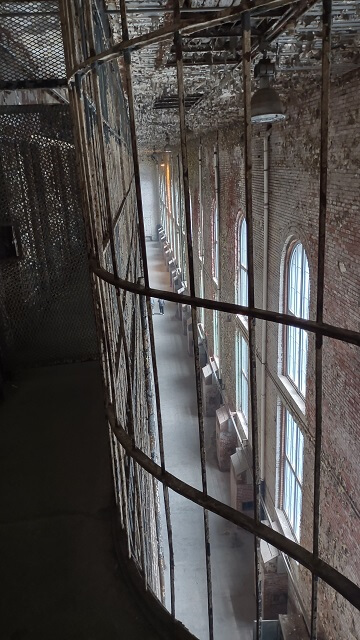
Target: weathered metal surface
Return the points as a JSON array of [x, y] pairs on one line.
[[246, 62], [338, 581], [324, 138], [331, 331]]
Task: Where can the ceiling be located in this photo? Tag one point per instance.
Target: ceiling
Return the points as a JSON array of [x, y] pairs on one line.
[[31, 48], [291, 35]]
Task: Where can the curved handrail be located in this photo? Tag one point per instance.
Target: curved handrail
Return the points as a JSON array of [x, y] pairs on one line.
[[326, 572], [318, 328]]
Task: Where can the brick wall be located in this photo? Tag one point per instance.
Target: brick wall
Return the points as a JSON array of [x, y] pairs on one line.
[[293, 214]]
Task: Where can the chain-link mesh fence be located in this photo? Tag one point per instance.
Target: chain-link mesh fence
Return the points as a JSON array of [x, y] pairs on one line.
[[30, 44], [46, 307]]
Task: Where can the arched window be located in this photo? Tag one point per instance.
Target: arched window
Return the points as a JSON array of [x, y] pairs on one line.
[[242, 376], [216, 332], [292, 472], [297, 304], [216, 220], [242, 265]]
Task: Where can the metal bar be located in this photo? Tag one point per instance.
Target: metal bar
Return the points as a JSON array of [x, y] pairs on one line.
[[200, 63], [151, 430], [127, 60], [117, 216], [89, 206], [162, 460], [246, 54], [44, 83], [331, 331], [163, 9], [191, 276], [27, 14], [348, 589], [324, 139], [186, 27]]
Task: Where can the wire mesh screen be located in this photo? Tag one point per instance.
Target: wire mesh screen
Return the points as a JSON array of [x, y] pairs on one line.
[[46, 306], [30, 42], [109, 190]]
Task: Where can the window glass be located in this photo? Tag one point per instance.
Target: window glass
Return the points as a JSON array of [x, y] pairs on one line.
[[292, 472], [216, 332], [216, 227], [242, 376], [298, 290], [242, 267]]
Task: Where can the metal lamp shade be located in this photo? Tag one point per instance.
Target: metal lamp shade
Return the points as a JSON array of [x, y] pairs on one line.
[[266, 106]]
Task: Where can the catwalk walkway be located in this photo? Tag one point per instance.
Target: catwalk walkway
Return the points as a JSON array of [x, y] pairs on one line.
[[231, 548]]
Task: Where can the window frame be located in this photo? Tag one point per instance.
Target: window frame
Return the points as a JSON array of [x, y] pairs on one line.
[[295, 526], [216, 221], [287, 328], [240, 268], [216, 334], [201, 292], [240, 375]]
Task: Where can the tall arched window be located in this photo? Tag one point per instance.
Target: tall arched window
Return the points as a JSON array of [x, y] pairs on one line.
[[216, 220], [242, 376], [297, 304], [292, 471], [242, 265]]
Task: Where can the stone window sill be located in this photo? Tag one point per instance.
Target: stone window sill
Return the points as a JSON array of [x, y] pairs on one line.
[[284, 526], [242, 425], [243, 321], [291, 394]]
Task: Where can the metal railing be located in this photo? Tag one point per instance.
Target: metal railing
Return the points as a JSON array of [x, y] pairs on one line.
[[110, 181]]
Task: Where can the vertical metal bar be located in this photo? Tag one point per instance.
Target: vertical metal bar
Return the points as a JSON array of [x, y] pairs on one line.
[[66, 12], [324, 137], [122, 332], [191, 277], [127, 60], [151, 430], [162, 462], [246, 52]]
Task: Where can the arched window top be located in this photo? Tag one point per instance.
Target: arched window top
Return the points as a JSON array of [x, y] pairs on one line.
[[242, 264], [297, 304], [242, 243], [298, 289]]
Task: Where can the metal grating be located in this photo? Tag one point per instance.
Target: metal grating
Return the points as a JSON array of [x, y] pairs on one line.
[[46, 307], [172, 101], [31, 48]]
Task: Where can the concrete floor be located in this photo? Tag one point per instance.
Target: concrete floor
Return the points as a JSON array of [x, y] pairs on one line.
[[60, 576], [231, 548]]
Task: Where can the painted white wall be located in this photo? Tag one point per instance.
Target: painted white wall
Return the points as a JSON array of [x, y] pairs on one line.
[[150, 195]]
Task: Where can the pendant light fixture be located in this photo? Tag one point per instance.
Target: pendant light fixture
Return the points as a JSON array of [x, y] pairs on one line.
[[266, 105]]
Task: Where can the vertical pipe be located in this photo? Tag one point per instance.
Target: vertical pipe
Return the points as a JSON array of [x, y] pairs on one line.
[[264, 305], [180, 218], [191, 281], [217, 271], [201, 235], [201, 213], [324, 137], [246, 52]]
